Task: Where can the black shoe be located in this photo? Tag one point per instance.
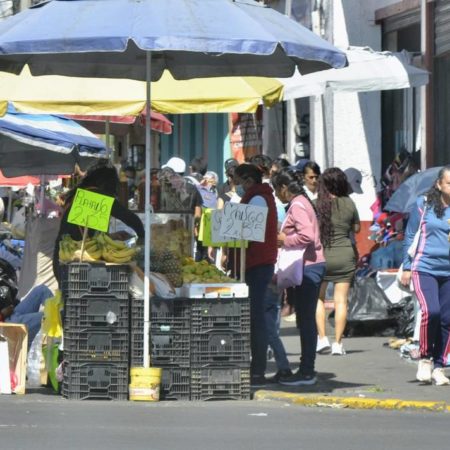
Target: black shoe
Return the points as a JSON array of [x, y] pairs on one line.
[[258, 381], [286, 373], [298, 379]]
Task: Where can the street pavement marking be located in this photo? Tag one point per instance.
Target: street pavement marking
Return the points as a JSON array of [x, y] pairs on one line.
[[351, 402]]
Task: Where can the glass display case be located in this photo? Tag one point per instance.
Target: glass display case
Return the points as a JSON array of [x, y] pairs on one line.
[[173, 232]]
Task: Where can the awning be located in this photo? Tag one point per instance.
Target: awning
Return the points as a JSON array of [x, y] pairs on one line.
[[368, 70]]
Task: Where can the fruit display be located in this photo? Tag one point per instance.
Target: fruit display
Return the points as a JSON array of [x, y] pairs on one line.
[[203, 272], [100, 247], [169, 264], [173, 236]]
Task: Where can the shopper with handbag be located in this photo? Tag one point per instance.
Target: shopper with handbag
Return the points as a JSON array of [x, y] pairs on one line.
[[300, 230], [427, 262]]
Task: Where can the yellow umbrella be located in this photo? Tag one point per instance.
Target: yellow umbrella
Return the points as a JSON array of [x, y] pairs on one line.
[[88, 96]]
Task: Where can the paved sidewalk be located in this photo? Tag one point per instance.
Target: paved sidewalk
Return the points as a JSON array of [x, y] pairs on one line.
[[370, 375]]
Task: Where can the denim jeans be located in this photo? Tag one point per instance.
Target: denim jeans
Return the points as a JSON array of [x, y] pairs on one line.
[[273, 306], [257, 279], [27, 311], [305, 301]]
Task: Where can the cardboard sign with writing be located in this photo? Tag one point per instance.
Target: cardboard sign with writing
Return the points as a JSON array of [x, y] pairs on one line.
[[91, 210], [242, 221], [216, 239]]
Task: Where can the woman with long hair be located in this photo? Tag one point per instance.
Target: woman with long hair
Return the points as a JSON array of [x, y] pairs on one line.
[[338, 219], [300, 229], [429, 269], [259, 264], [101, 178]]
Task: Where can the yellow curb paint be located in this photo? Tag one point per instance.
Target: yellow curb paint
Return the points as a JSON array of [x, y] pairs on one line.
[[351, 402]]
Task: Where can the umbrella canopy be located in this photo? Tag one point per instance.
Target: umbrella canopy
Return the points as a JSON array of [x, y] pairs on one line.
[[119, 125], [18, 181], [190, 38], [89, 96], [367, 70], [404, 198], [45, 145]]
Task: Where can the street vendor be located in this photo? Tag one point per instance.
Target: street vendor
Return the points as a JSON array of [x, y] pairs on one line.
[[103, 179]]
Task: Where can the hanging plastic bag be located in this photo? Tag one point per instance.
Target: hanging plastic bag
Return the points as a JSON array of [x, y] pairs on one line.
[[52, 325], [34, 361]]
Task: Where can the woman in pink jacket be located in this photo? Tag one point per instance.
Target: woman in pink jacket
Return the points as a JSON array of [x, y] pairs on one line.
[[301, 229]]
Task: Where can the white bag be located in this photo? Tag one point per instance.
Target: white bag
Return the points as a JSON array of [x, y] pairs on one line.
[[289, 267], [5, 378]]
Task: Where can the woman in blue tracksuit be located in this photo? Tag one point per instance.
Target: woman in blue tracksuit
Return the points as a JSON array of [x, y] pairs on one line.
[[429, 269]]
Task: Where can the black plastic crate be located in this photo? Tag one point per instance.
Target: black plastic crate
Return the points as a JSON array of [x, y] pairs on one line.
[[220, 313], [220, 347], [96, 345], [96, 311], [79, 279], [170, 348], [175, 383], [136, 348], [137, 313], [220, 384], [170, 314], [95, 381]]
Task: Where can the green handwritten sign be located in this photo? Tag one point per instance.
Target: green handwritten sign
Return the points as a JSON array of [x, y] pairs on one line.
[[91, 210]]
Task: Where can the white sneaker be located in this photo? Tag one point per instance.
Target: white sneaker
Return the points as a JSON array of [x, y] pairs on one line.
[[337, 349], [322, 344], [439, 377], [424, 371], [291, 318]]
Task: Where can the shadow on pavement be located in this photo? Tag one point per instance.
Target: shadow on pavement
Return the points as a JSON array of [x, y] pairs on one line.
[[326, 383]]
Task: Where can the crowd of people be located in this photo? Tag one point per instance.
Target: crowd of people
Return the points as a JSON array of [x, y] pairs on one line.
[[307, 209]]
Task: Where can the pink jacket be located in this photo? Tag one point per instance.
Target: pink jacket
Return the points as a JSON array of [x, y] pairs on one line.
[[302, 230]]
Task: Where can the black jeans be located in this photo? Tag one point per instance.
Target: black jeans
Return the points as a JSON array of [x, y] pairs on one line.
[[305, 301], [257, 279]]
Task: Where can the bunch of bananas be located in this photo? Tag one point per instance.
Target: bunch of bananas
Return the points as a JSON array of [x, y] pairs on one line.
[[100, 247]]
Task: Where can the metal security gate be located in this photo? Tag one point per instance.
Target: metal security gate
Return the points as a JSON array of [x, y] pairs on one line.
[[442, 27]]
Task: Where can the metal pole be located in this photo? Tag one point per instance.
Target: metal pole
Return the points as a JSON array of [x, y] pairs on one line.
[[427, 50], [147, 228]]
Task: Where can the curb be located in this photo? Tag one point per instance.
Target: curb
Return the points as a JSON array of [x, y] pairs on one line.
[[351, 402]]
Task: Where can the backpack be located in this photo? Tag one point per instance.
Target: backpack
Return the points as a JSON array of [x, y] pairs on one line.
[[209, 198]]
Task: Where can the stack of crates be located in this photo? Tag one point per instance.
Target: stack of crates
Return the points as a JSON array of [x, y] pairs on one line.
[[220, 348], [170, 343], [96, 331], [202, 345]]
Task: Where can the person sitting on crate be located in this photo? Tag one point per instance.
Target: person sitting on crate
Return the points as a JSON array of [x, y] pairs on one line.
[[25, 311], [102, 179]]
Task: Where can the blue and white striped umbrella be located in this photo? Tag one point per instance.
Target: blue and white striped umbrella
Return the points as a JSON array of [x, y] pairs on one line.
[[45, 145]]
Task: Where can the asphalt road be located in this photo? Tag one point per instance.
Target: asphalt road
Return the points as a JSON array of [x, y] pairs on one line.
[[40, 422]]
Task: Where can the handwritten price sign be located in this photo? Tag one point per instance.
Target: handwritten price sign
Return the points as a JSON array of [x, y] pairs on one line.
[[91, 210], [241, 221]]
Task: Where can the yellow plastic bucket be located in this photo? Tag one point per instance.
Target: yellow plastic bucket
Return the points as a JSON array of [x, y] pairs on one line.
[[145, 383]]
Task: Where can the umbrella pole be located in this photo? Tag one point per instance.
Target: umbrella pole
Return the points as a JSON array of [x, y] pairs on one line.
[[10, 200], [42, 198], [147, 213]]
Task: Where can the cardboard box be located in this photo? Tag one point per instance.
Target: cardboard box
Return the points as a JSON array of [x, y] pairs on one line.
[[214, 290], [17, 337]]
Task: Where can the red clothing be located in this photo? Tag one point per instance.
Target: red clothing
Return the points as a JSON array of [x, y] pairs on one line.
[[301, 228], [262, 253]]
